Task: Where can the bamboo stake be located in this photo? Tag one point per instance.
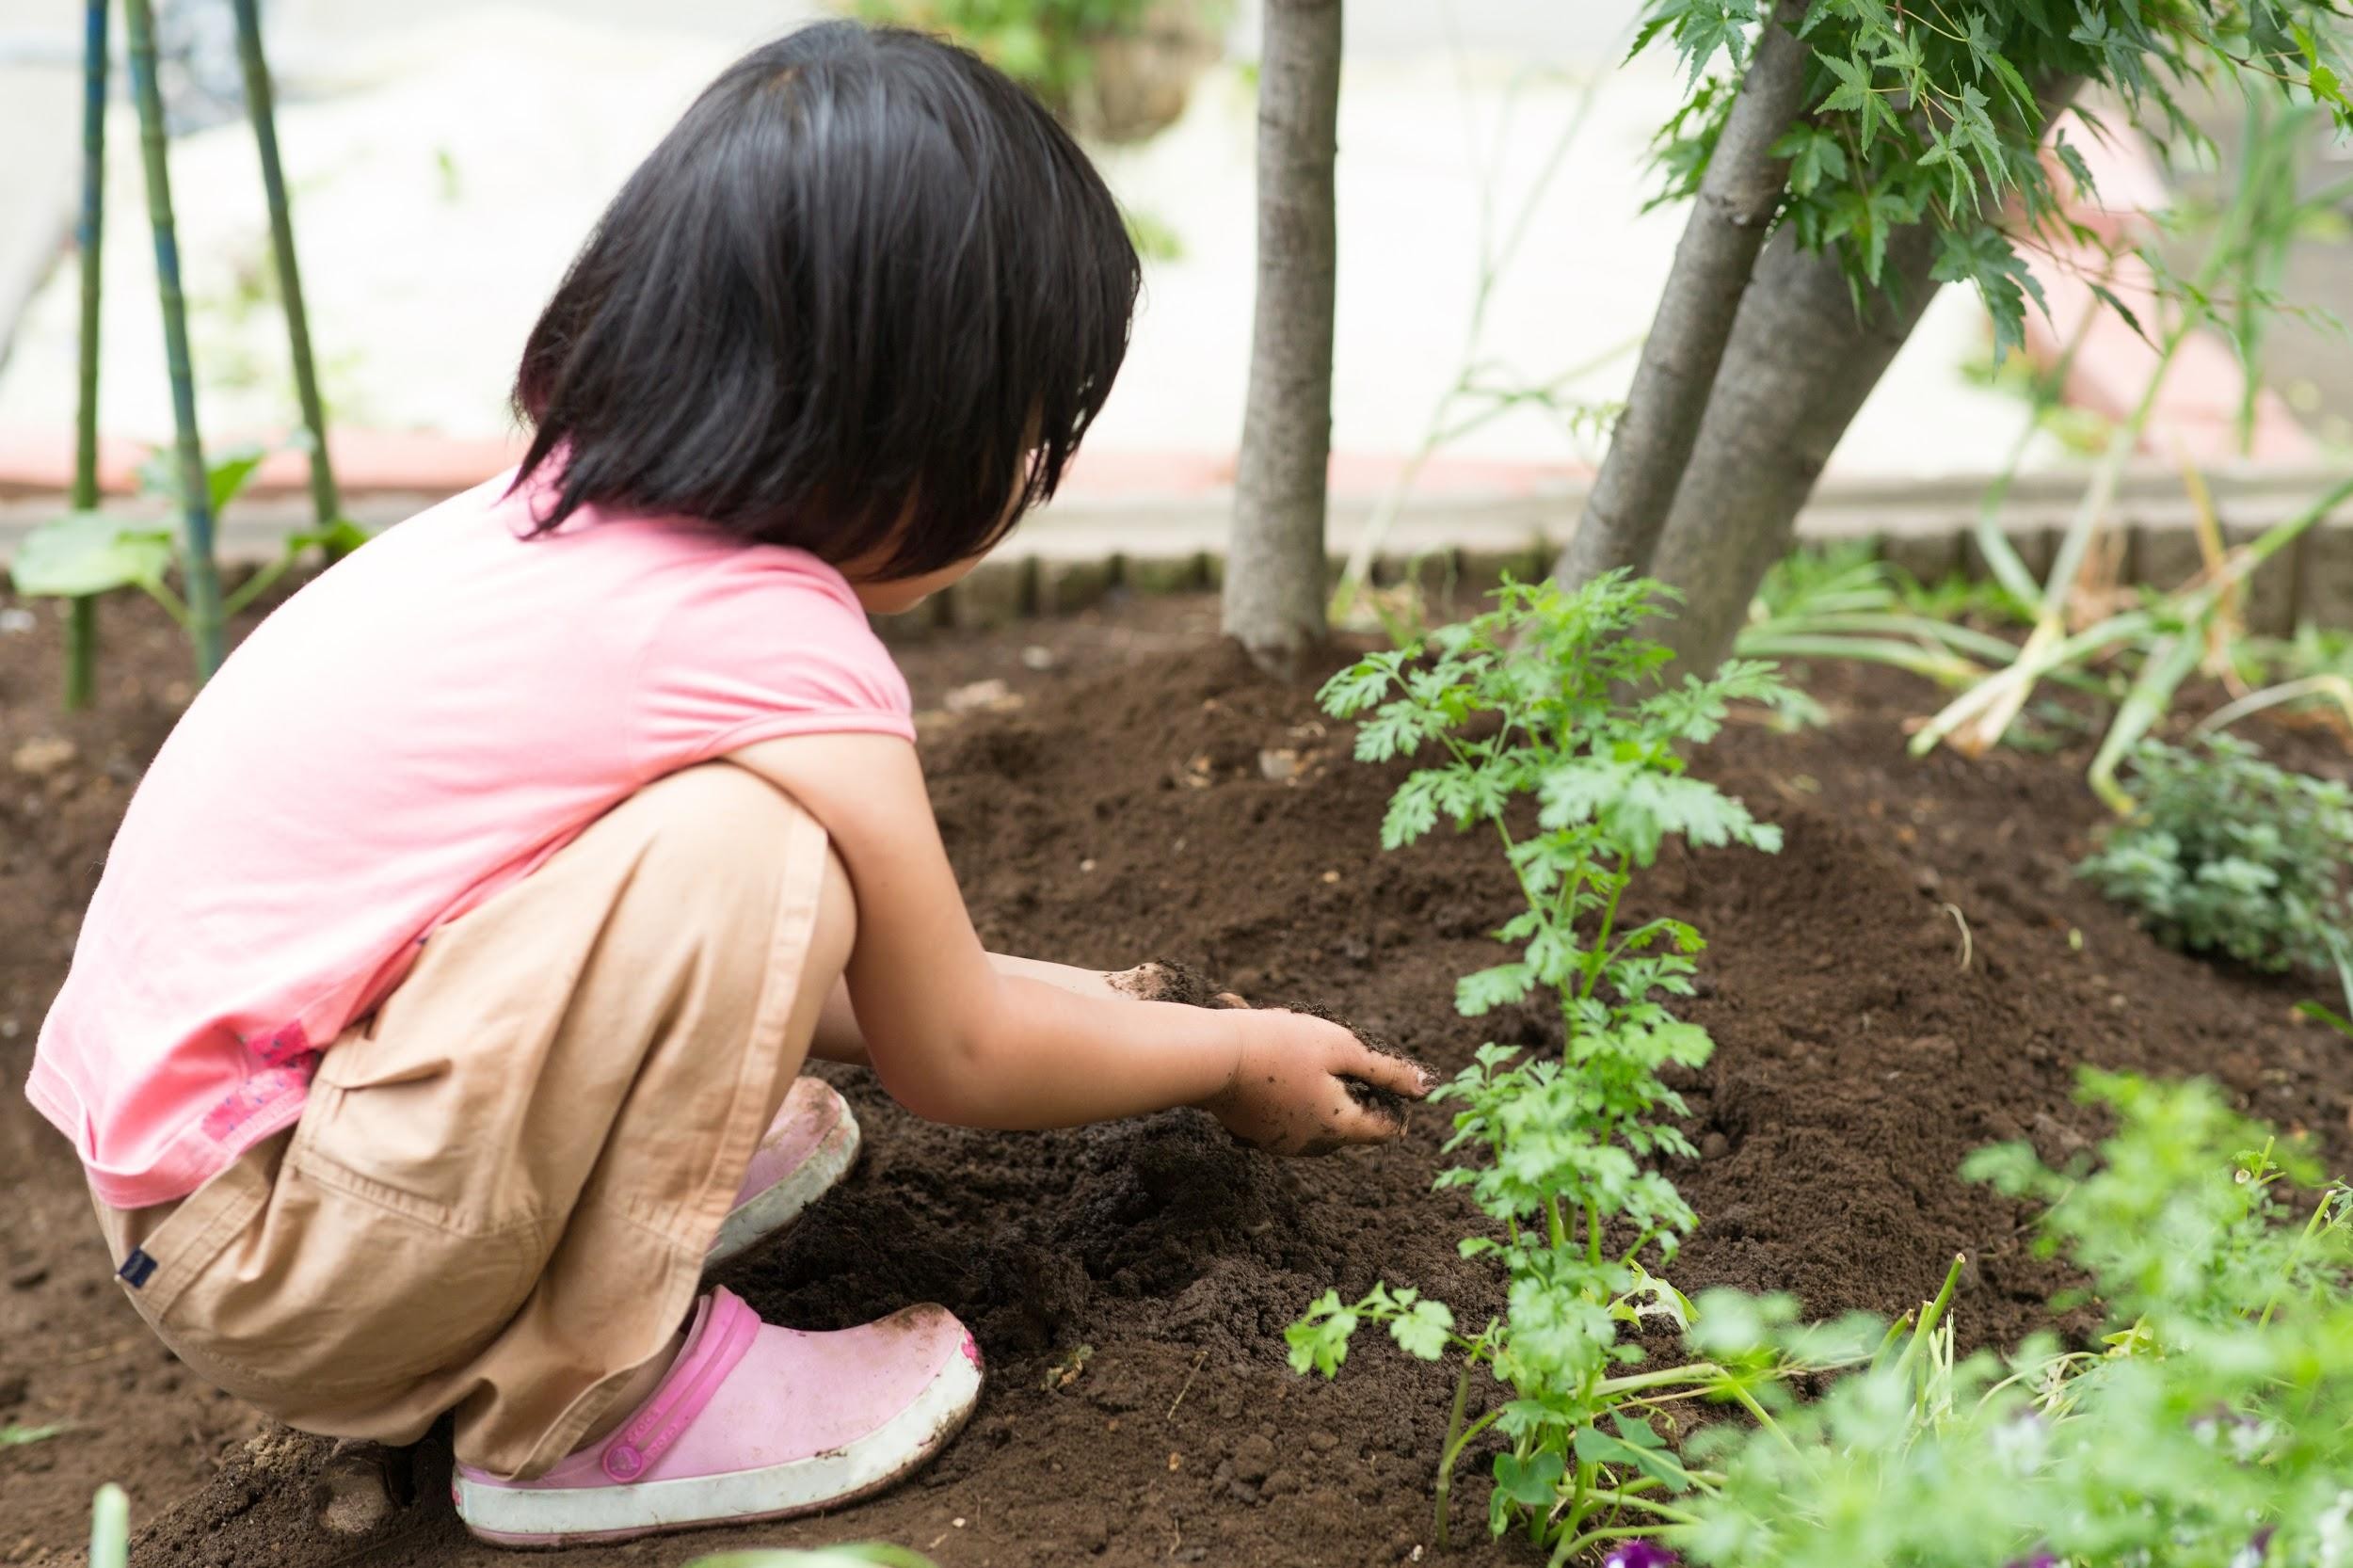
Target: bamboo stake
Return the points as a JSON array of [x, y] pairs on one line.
[[261, 104], [81, 644], [203, 574]]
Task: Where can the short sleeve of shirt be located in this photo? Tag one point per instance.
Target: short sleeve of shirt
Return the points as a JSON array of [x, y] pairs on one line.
[[761, 644]]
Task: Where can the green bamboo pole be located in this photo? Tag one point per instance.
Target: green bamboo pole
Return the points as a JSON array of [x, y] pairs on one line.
[[203, 572], [81, 639], [261, 104]]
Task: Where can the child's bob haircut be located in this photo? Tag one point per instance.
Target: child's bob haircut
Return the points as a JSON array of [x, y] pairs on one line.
[[864, 299]]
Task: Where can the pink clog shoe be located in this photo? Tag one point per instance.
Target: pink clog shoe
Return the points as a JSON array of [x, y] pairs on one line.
[[809, 1146], [753, 1422]]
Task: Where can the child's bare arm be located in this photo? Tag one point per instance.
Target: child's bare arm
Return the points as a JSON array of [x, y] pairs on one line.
[[955, 1039], [839, 1039]]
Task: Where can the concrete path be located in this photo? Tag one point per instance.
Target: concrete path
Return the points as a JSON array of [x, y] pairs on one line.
[[446, 157], [39, 125]]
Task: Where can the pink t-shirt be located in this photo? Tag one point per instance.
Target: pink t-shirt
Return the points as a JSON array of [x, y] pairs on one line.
[[418, 728]]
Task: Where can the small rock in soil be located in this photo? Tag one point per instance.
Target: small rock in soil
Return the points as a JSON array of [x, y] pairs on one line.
[[43, 755], [990, 696], [2054, 1140], [1937, 1049], [1253, 1458]]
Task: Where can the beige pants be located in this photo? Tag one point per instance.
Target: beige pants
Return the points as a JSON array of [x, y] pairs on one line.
[[498, 1197]]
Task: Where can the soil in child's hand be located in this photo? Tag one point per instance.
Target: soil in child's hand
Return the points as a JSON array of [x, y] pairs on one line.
[[1181, 983], [1388, 1102], [1166, 980]]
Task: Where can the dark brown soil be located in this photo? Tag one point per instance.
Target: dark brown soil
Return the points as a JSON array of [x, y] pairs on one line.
[[1916, 974]]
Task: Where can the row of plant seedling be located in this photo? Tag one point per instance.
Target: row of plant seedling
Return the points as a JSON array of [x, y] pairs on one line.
[[2212, 1425]]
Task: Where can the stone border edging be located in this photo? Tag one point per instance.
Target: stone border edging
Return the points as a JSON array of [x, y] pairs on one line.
[[1071, 555]]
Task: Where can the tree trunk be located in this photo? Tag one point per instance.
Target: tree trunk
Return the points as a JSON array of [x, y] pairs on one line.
[[1655, 436], [1800, 364], [1274, 568]]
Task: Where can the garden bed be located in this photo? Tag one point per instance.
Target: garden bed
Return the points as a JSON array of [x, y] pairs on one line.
[[1916, 974]]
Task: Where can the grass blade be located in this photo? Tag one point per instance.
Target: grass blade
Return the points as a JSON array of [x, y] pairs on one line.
[[1944, 668], [109, 1528], [2335, 688], [2170, 662]]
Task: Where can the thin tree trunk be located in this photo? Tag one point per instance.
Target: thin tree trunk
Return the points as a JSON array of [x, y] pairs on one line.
[[1800, 364], [203, 570], [1274, 570], [260, 105], [1655, 436], [81, 637]]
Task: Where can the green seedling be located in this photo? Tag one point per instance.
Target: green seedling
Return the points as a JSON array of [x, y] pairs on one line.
[[14, 1435], [1545, 721]]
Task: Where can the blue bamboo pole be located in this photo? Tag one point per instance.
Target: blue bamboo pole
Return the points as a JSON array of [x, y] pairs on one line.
[[259, 101], [203, 572], [81, 644]]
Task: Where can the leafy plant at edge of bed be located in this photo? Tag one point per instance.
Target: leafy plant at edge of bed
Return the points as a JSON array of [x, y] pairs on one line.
[[2229, 852], [85, 554], [1548, 701], [2208, 1428]]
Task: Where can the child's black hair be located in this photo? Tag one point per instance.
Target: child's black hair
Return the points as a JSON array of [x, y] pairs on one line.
[[866, 282]]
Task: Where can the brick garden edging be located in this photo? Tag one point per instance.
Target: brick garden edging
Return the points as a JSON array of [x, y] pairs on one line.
[[1071, 555]]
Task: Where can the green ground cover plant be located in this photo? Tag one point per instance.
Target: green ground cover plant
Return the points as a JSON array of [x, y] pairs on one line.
[[2230, 854]]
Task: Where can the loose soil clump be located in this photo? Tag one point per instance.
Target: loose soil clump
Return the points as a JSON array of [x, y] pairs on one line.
[[1916, 974]]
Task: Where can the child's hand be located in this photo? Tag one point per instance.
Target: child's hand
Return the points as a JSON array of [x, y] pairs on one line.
[[1305, 1086]]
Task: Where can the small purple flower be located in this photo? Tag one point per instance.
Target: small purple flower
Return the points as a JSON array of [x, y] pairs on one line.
[[1639, 1554], [2040, 1559]]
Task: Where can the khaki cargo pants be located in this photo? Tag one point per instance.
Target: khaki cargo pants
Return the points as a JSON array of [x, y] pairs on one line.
[[499, 1195]]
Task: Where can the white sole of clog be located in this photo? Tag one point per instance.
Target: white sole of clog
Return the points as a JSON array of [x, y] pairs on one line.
[[578, 1516], [768, 1213]]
